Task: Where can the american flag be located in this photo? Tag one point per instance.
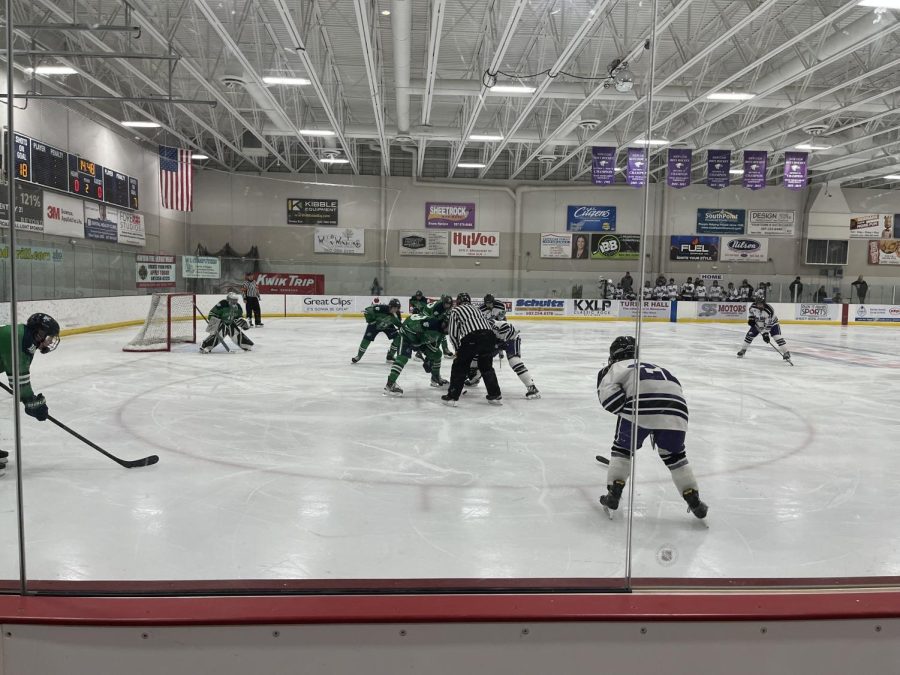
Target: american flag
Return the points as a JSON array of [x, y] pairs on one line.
[[176, 179]]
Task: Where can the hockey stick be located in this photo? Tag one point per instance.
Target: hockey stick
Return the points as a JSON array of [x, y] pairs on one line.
[[128, 464], [780, 353], [602, 459], [219, 339]]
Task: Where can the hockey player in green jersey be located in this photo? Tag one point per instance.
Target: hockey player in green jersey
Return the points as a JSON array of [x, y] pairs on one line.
[[423, 333], [438, 309], [226, 319], [380, 319], [39, 334], [418, 302]]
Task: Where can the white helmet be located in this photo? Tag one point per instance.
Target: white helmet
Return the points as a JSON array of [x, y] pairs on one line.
[[233, 298]]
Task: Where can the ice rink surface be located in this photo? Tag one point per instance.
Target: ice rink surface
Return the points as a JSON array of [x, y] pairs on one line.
[[288, 462]]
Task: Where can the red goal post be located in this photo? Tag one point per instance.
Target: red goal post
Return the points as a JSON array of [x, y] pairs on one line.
[[172, 319]]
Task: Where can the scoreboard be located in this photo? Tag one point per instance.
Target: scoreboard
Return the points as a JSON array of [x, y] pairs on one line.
[[42, 164]]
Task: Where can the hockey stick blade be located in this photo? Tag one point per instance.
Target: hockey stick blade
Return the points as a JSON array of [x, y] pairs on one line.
[[128, 464], [602, 459]]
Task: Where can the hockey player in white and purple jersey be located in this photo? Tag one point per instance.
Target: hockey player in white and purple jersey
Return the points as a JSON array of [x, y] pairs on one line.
[[662, 415], [762, 319], [492, 308], [509, 340]]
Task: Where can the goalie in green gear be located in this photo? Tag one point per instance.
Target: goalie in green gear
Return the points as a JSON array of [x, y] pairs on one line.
[[422, 333], [380, 319], [39, 334], [226, 319]]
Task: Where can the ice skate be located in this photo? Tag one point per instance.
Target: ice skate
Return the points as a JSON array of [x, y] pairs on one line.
[[439, 382], [392, 389], [448, 400], [355, 359], [741, 353], [695, 506], [532, 393], [389, 358], [494, 400], [205, 350], [610, 501], [246, 349]]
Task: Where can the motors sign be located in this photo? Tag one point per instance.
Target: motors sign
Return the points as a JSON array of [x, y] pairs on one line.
[[715, 311], [744, 249], [475, 244]]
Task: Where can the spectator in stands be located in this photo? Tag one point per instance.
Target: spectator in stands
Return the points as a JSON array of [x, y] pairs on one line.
[[837, 299], [377, 288], [627, 282], [862, 289], [819, 295], [796, 289]]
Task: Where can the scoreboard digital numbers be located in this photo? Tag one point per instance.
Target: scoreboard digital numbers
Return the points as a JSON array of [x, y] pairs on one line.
[[86, 178], [42, 164], [49, 166]]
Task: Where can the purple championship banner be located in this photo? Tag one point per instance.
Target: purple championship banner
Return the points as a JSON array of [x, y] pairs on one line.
[[636, 173], [755, 165], [795, 166], [718, 164], [679, 168], [446, 216], [603, 166]]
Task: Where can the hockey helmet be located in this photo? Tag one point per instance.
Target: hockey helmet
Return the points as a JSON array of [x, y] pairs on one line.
[[489, 299], [446, 300], [463, 299], [622, 348], [233, 298], [419, 294], [394, 303], [42, 328]]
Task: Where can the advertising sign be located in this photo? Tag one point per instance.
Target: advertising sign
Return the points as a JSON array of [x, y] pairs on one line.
[[721, 221], [29, 207], [63, 215], [280, 283], [590, 307], [877, 314], [312, 212], [591, 218], [653, 309], [771, 223], [101, 222], [200, 267], [424, 242], [615, 246], [556, 245], [871, 226], [475, 244], [690, 247], [327, 304], [884, 252], [744, 249], [34, 254], [154, 271], [811, 312], [717, 311], [448, 216], [539, 307], [131, 228], [351, 240]]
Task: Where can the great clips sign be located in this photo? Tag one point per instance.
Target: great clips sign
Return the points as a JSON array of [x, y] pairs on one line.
[[446, 216], [475, 244]]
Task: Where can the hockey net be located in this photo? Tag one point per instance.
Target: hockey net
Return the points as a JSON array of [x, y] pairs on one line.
[[171, 320]]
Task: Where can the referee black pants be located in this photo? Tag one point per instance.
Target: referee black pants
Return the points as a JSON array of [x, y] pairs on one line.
[[478, 345], [253, 306]]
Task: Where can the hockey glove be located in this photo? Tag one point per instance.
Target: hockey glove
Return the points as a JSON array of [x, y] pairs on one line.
[[751, 322], [36, 407], [766, 338]]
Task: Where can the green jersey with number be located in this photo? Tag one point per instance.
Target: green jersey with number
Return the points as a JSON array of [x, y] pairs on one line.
[[421, 330], [26, 354], [437, 309]]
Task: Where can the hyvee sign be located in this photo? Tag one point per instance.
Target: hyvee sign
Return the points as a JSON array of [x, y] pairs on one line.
[[475, 244]]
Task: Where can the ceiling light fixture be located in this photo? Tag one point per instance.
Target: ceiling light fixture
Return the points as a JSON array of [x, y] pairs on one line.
[[512, 89], [470, 165], [810, 146], [485, 137], [334, 160], [619, 76], [140, 124], [736, 172], [51, 70], [652, 141], [385, 12], [199, 156], [893, 176], [887, 4], [297, 81], [730, 96], [316, 132]]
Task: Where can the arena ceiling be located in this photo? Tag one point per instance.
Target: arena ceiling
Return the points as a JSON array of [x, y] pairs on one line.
[[404, 84]]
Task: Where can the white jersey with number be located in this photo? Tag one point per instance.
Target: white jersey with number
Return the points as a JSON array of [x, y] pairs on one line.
[[764, 317], [672, 290], [715, 293], [660, 399], [700, 292]]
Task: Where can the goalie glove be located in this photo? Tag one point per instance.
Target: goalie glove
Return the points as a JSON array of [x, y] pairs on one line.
[[36, 407]]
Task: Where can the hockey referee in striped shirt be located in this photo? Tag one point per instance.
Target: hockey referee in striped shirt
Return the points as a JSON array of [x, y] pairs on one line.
[[251, 299], [472, 338]]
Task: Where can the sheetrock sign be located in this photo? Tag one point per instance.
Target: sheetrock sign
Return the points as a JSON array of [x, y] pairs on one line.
[[884, 252], [345, 240], [556, 245], [200, 267], [591, 218], [29, 207], [448, 216], [131, 228], [424, 242], [101, 222], [34, 254], [870, 226], [744, 249], [721, 221], [771, 223], [63, 215], [154, 271], [475, 244], [877, 313]]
